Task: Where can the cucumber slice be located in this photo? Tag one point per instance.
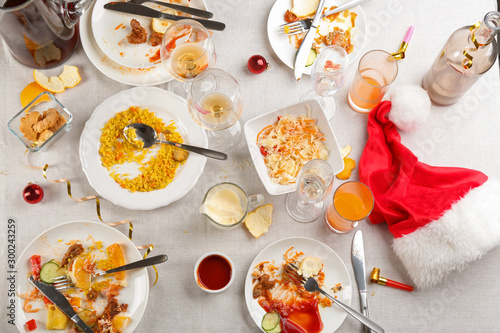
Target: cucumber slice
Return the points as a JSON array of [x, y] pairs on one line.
[[49, 271], [89, 317], [312, 57], [277, 329], [270, 321]]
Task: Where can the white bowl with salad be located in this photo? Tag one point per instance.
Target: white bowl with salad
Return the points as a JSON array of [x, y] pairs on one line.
[[272, 139]]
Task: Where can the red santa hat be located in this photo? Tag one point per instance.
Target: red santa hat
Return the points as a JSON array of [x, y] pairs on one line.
[[441, 217]]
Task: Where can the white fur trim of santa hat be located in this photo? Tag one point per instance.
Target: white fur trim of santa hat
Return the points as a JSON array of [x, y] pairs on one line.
[[464, 233], [410, 108]]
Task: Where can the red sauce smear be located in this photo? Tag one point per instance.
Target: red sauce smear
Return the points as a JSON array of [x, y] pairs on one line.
[[214, 272], [119, 26], [155, 57]]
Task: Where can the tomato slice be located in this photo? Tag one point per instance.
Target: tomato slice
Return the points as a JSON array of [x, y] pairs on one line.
[[31, 325], [263, 151], [36, 265]]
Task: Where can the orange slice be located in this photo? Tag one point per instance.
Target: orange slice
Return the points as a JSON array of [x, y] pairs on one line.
[[53, 84], [31, 91], [117, 259], [81, 276], [120, 322], [69, 78]]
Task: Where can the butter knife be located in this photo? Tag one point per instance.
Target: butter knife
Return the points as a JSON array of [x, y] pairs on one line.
[[61, 302], [358, 265], [184, 9], [307, 42], [135, 9]]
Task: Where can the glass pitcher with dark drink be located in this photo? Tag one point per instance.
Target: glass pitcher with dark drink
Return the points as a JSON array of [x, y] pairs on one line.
[[41, 33]]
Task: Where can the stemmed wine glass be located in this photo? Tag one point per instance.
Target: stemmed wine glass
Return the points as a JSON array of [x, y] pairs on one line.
[[328, 76], [214, 103], [187, 50], [314, 183]]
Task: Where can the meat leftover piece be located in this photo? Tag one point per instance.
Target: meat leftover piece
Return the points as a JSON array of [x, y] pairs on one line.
[[112, 291], [112, 309], [138, 34], [263, 284], [92, 294], [180, 155], [73, 251], [341, 38], [156, 38]]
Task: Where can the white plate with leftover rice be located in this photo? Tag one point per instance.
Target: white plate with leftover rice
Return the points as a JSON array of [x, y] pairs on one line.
[[166, 106]]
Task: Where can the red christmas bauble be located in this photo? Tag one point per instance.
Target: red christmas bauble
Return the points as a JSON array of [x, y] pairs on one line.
[[257, 64], [33, 193]]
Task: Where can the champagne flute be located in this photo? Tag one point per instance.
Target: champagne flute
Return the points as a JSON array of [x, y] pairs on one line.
[[314, 183], [215, 104], [187, 50], [328, 76]]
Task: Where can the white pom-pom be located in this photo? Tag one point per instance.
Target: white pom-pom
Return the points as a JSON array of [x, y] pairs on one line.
[[411, 106]]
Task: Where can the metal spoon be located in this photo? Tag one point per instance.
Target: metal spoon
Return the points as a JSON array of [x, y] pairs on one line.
[[147, 134]]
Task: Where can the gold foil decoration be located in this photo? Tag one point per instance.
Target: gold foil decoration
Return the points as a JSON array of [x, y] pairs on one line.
[[467, 62], [149, 247]]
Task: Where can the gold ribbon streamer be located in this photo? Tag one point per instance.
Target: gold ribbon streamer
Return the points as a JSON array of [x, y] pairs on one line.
[[467, 62], [149, 247]]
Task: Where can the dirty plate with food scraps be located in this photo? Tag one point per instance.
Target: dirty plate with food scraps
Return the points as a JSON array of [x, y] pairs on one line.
[[255, 125], [113, 70], [283, 45], [53, 244], [166, 106], [111, 28], [333, 267]]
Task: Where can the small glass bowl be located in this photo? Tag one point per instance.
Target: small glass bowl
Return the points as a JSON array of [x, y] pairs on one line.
[[36, 105]]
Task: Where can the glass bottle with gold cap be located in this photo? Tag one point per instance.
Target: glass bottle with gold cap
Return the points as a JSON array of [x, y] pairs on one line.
[[469, 52]]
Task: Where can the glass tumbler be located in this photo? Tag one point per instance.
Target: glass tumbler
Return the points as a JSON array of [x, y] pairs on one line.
[[352, 202], [376, 71]]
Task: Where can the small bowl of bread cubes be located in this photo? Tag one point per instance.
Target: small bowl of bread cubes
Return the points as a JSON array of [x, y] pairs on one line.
[[41, 123]]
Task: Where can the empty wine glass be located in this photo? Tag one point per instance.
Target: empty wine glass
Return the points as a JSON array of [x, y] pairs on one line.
[[314, 182], [215, 104], [328, 76], [187, 50]]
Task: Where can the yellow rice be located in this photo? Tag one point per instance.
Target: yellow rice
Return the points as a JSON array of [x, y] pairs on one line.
[[157, 171]]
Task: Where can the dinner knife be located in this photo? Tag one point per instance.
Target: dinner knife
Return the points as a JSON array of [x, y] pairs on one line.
[[184, 9], [135, 9], [358, 265], [307, 42], [61, 302]]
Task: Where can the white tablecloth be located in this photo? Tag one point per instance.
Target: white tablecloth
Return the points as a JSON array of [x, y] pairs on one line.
[[465, 134]]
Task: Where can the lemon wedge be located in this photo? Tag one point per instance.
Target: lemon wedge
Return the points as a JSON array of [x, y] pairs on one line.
[[161, 25]]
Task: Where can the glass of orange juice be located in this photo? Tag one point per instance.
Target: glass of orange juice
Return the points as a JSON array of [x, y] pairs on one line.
[[352, 202], [376, 71]]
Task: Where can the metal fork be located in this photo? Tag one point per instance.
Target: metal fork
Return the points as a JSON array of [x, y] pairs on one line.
[[312, 285], [301, 26], [185, 9], [63, 283]]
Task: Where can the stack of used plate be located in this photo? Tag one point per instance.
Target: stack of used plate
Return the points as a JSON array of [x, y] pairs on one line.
[[104, 32]]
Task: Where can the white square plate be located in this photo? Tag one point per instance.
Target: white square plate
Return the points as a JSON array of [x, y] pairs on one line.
[[255, 125]]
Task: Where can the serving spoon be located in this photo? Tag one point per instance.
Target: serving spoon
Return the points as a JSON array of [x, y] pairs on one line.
[[147, 135]]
